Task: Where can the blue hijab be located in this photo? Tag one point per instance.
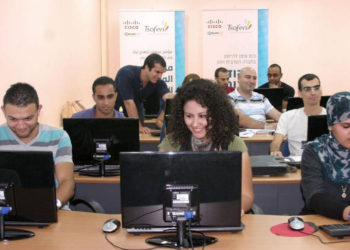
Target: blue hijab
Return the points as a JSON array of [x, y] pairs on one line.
[[335, 158]]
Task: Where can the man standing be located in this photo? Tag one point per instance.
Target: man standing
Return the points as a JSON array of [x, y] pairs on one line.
[[250, 106], [293, 123], [22, 132], [134, 84], [274, 76], [222, 78], [104, 94]]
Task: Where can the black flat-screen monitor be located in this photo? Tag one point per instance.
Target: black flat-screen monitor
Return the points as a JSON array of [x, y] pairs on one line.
[[275, 96], [297, 102], [27, 185], [88, 136], [316, 126], [144, 176], [151, 106], [168, 106]]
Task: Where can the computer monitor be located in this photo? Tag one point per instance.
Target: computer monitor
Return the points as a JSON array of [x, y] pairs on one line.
[[151, 106], [27, 185], [316, 126], [97, 142], [275, 96], [168, 106], [153, 187], [297, 102]]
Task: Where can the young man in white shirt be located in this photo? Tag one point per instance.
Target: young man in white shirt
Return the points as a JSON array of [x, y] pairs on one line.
[[293, 123]]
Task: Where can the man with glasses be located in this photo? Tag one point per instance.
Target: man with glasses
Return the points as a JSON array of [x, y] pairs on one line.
[[293, 123], [274, 76]]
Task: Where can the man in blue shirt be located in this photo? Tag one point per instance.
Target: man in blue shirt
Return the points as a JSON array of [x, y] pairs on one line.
[[134, 84], [104, 94]]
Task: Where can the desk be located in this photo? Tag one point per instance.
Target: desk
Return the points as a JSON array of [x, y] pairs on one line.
[[258, 144], [275, 195], [149, 142], [290, 178], [82, 231]]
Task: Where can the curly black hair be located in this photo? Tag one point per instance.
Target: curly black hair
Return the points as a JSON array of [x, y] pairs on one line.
[[220, 115]]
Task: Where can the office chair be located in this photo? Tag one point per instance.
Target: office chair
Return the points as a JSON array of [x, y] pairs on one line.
[[93, 205], [255, 209]]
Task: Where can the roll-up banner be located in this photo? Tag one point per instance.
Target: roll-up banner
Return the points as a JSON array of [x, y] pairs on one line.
[[163, 32], [234, 39]]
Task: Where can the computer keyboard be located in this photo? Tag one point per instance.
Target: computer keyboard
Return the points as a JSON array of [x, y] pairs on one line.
[[77, 168], [336, 230]]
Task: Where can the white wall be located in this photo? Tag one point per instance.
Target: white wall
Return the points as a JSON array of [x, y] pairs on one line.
[[55, 45]]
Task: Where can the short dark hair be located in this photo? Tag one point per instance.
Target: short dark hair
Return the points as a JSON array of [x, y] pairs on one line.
[[21, 94], [218, 70], [307, 77], [153, 59], [275, 65], [103, 80]]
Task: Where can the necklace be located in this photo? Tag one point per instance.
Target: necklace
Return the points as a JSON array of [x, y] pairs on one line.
[[343, 188]]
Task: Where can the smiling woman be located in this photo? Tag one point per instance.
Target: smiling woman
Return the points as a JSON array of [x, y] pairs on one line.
[[203, 119]]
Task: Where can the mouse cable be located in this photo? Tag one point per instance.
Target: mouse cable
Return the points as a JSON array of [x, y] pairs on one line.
[[325, 242], [121, 248]]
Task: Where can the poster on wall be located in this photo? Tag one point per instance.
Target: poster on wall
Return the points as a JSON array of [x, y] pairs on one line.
[[162, 32], [234, 39]]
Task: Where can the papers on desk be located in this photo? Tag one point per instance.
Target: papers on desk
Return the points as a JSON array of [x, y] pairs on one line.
[[246, 133]]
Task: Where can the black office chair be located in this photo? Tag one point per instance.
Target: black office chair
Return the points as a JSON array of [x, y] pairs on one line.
[[94, 206], [255, 209], [82, 203]]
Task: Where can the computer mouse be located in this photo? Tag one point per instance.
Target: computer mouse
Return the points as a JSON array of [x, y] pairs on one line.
[[111, 225], [296, 223]]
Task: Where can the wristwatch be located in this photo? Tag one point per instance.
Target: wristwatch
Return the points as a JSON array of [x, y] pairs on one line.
[[58, 203]]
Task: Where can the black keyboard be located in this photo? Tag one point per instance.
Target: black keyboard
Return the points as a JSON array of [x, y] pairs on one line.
[[336, 230], [92, 168]]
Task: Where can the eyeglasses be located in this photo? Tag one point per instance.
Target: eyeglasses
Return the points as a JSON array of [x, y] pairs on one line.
[[308, 88]]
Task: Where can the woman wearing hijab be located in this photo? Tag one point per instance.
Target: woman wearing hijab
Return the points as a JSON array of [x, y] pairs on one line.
[[203, 119], [325, 164]]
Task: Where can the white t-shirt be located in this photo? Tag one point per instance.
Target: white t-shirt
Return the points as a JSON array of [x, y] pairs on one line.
[[293, 124]]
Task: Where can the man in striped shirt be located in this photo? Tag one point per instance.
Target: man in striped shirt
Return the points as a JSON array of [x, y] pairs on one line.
[[250, 106], [22, 132]]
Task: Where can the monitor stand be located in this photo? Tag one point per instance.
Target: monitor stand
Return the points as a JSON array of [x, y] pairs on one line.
[[181, 239], [12, 234], [101, 171]]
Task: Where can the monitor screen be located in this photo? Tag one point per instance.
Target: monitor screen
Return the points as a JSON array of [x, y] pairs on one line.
[[145, 176], [275, 96], [297, 102], [316, 126], [168, 106], [28, 185], [122, 134], [151, 105]]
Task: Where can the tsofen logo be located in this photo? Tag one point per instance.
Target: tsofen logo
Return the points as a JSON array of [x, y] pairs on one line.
[[131, 25], [156, 28], [245, 27], [214, 26]]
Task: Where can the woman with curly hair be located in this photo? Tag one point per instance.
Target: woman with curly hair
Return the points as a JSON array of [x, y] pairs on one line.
[[203, 119]]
